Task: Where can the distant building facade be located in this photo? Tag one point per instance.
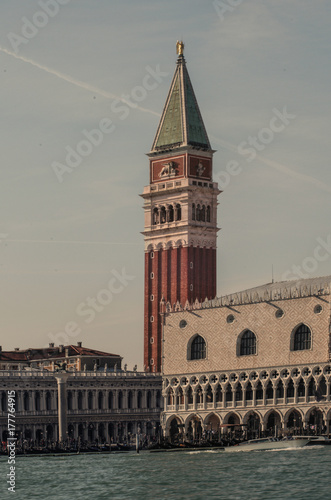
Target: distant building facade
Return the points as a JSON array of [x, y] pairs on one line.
[[257, 360], [103, 402]]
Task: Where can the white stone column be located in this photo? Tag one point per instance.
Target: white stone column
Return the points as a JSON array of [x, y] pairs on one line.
[[185, 400], [223, 398], [328, 390], [61, 378], [296, 393], [234, 389], [254, 396], [194, 400]]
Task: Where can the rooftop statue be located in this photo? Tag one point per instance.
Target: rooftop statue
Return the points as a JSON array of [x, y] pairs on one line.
[[180, 48]]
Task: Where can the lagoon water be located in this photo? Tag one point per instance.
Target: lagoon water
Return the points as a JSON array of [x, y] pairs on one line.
[[212, 474]]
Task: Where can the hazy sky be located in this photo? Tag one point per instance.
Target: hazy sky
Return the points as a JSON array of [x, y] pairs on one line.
[[63, 63]]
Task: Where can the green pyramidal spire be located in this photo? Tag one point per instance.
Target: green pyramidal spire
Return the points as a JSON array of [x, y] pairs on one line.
[[181, 122]]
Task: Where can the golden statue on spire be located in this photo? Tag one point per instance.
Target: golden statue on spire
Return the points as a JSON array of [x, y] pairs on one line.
[[180, 48]]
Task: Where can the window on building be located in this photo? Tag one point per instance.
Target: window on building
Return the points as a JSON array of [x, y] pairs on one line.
[[139, 399], [48, 401], [249, 392], [301, 389], [158, 399], [247, 343], [270, 390], [190, 396], [90, 400], [197, 213], [198, 348], [26, 401], [163, 215], [218, 394], [302, 338], [178, 212], [290, 389], [208, 214], [80, 400], [120, 400], [228, 393], [110, 400], [170, 213], [130, 400], [149, 399], [193, 211], [37, 401], [259, 390], [280, 390], [155, 216], [239, 392], [100, 400], [69, 400]]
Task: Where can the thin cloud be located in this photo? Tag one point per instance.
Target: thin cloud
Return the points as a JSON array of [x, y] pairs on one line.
[[73, 81], [278, 166]]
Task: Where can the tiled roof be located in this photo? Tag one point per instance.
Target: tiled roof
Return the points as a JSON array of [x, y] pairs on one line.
[[320, 283], [181, 123], [32, 354]]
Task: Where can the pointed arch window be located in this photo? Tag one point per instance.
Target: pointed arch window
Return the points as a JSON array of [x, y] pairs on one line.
[[203, 214], [280, 390], [301, 388], [249, 392], [290, 389], [259, 390], [190, 396], [198, 348], [247, 343], [208, 214], [239, 392], [302, 338], [270, 390]]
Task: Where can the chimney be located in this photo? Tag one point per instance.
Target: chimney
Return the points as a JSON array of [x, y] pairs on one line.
[[51, 345], [61, 348], [79, 344], [66, 352]]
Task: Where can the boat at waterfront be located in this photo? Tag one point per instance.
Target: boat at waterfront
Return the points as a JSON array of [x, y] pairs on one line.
[[318, 440], [269, 443]]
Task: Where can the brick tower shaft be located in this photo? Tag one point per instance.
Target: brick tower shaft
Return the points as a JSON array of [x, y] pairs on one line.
[[180, 205]]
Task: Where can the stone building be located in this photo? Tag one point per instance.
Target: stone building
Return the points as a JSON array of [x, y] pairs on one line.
[[103, 402], [75, 357], [257, 360]]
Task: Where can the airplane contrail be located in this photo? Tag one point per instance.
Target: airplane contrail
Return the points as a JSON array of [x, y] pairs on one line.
[[77, 83], [279, 166]]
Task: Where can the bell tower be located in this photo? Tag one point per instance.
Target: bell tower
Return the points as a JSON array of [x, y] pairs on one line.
[[180, 205]]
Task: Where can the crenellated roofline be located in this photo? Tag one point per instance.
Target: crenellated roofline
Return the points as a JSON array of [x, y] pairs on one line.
[[285, 290]]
